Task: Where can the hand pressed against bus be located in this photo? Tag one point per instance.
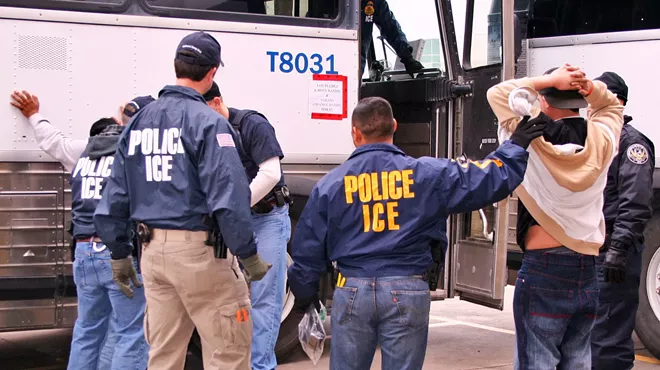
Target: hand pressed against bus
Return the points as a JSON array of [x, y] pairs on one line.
[[627, 210], [260, 154], [97, 340], [556, 296], [179, 175], [378, 215]]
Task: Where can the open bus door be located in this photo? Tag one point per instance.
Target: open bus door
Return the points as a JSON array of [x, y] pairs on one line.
[[442, 112], [479, 240]]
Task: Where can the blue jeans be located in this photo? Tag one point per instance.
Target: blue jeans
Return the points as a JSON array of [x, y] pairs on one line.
[[273, 231], [99, 302], [554, 308], [390, 311], [612, 346]]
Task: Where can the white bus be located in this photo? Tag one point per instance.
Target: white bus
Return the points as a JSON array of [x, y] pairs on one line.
[[296, 61]]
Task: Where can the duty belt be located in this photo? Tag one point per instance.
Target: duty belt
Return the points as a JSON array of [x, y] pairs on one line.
[[279, 197]]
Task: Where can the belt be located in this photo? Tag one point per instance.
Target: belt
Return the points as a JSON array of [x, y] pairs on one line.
[[95, 239]]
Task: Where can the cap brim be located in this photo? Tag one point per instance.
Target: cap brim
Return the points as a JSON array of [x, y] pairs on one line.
[[563, 103]]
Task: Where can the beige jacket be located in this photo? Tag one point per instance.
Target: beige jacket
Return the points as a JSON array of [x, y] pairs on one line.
[[564, 192]]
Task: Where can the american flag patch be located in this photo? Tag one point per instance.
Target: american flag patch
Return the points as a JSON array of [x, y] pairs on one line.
[[225, 140]]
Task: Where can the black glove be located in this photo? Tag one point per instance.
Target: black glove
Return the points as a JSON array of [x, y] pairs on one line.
[[412, 65], [615, 263], [527, 131], [301, 304]]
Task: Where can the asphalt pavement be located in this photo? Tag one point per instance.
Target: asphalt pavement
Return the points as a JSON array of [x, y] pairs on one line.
[[462, 336]]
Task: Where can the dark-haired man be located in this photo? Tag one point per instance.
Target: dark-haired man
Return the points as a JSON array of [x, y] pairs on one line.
[[261, 154], [178, 174], [377, 216], [108, 332]]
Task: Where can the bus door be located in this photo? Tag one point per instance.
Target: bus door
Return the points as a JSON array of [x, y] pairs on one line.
[[472, 33], [442, 112]]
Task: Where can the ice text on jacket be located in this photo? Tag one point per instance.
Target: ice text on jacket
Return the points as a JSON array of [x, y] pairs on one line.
[[92, 172], [379, 193], [158, 148]]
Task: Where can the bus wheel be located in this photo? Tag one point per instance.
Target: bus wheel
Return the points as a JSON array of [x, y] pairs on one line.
[[647, 323]]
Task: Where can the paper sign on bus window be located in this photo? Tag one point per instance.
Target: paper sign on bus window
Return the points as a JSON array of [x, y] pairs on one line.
[[328, 95]]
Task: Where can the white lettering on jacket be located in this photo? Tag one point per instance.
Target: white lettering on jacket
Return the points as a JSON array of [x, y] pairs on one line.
[[92, 173], [158, 149]]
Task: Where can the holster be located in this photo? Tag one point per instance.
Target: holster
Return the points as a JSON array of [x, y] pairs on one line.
[[432, 275], [214, 238], [72, 247], [277, 198]]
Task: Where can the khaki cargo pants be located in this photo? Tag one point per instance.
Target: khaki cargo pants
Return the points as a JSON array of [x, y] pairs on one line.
[[187, 287]]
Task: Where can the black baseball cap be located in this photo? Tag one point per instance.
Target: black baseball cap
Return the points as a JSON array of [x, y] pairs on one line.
[[100, 125], [615, 84], [134, 106], [200, 49], [214, 92], [563, 99]]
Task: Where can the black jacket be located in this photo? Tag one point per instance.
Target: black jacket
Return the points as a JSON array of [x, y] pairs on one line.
[[629, 189]]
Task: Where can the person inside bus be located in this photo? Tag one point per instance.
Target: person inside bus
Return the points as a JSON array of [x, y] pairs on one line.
[[378, 12], [108, 332], [627, 210], [560, 225]]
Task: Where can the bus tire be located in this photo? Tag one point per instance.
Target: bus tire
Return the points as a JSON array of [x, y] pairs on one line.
[[647, 322]]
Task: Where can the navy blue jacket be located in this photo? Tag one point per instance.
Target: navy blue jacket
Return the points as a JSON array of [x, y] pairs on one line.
[[87, 180], [377, 11], [259, 144], [629, 189], [175, 163], [378, 213]]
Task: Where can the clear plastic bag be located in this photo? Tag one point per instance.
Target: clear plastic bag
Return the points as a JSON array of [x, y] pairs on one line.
[[311, 334]]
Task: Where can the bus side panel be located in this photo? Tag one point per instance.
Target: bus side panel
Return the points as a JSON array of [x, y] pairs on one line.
[[628, 59], [82, 72], [36, 283]]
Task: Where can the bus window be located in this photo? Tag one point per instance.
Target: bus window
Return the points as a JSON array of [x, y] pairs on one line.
[[549, 18], [483, 33], [328, 9], [486, 38], [420, 25], [101, 6]]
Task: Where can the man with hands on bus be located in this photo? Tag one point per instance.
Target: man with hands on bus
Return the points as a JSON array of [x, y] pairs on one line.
[[560, 224], [377, 215], [178, 174], [627, 209], [108, 331]]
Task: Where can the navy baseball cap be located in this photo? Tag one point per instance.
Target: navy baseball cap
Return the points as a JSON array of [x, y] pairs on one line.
[[100, 125], [563, 99], [134, 106], [214, 92], [200, 49]]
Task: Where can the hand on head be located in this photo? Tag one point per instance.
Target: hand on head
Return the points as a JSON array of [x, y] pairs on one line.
[[568, 77]]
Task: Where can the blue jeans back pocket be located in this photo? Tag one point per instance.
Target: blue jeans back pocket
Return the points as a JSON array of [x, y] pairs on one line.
[[550, 310], [342, 304], [413, 307]]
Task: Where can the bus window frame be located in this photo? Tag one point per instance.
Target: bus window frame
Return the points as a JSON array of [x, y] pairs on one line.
[[71, 5], [467, 39], [341, 21]]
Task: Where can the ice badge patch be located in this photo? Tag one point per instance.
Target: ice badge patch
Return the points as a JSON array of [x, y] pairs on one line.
[[637, 154]]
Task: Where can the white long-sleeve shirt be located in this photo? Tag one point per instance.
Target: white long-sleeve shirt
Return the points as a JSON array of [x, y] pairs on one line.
[[52, 141], [268, 176]]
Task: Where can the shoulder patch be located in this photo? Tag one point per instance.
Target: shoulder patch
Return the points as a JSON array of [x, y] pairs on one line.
[[225, 140], [637, 154]]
